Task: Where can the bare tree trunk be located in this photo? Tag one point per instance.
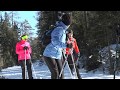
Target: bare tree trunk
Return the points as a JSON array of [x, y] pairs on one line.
[[85, 34]]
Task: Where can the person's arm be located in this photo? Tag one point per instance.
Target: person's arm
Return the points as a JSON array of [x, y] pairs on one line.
[[76, 47], [59, 38], [30, 49], [76, 50], [18, 51]]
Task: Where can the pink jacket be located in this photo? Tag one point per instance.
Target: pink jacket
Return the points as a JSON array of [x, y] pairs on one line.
[[20, 51]]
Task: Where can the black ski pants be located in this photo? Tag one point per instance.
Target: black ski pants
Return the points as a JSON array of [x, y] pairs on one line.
[[29, 69], [55, 66], [71, 65]]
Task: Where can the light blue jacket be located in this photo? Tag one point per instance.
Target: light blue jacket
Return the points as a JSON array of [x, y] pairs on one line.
[[58, 42]]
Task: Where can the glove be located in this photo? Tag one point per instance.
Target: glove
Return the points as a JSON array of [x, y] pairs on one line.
[[69, 45], [76, 56], [79, 54], [25, 48], [77, 62]]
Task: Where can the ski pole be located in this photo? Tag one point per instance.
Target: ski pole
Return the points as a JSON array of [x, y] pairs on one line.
[[65, 62], [114, 69], [71, 52], [70, 71], [25, 66], [33, 69], [62, 67]]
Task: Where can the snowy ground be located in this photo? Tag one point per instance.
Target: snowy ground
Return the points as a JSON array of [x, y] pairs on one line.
[[43, 72]]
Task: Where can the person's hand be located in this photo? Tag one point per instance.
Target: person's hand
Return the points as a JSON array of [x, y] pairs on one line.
[[69, 45], [25, 48], [79, 54]]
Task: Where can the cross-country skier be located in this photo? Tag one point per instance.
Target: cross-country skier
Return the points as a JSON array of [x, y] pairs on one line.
[[23, 49], [53, 51], [73, 51]]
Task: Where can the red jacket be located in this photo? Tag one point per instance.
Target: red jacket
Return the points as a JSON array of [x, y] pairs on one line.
[[20, 51], [74, 43]]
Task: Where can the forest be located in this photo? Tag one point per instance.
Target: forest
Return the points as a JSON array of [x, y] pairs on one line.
[[93, 31]]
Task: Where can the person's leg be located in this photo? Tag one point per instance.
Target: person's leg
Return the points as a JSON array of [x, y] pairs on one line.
[[29, 69], [59, 65], [63, 58], [22, 64], [70, 62], [77, 71], [71, 65], [52, 65]]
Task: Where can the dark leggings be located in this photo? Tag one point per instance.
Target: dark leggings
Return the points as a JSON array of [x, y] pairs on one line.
[[29, 69], [54, 66], [70, 62]]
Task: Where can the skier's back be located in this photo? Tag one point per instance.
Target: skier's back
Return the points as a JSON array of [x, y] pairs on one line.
[[53, 51]]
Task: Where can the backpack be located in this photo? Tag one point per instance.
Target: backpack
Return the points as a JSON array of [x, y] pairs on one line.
[[46, 38]]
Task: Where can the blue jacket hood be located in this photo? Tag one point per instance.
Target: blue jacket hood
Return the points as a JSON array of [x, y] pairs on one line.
[[60, 23]]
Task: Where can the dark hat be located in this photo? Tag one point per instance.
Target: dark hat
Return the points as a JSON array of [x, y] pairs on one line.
[[69, 31], [66, 19]]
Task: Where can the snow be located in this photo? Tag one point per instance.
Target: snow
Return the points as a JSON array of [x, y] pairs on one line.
[[42, 72]]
